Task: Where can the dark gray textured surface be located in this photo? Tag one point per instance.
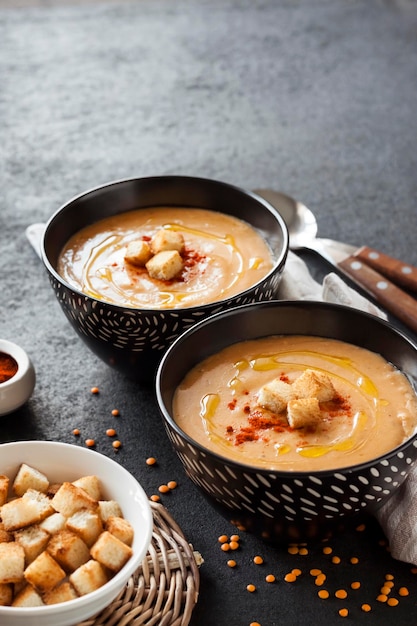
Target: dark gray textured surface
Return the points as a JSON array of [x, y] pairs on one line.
[[316, 98]]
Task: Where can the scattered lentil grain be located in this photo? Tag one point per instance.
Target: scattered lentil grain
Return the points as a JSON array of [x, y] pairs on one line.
[[225, 547], [323, 594], [235, 538], [403, 591], [258, 560], [117, 444], [315, 571], [327, 550], [234, 545], [163, 489], [341, 594], [223, 539], [270, 578], [95, 390], [392, 601], [343, 612], [150, 461], [110, 432], [366, 608], [354, 560], [336, 560], [115, 412], [172, 484], [251, 588], [90, 443], [155, 498], [290, 577], [355, 585], [382, 598], [292, 550], [231, 563], [76, 432]]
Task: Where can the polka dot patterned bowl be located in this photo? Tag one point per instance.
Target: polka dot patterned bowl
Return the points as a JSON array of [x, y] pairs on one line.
[[282, 506], [130, 339]]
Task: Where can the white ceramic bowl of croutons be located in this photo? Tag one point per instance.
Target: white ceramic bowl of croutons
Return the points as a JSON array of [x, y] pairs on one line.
[[66, 463]]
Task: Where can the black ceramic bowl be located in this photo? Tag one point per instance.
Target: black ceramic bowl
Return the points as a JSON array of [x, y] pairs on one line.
[[130, 339], [284, 505]]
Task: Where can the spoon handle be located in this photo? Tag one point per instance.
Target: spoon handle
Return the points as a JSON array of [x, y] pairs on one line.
[[400, 273], [388, 295]]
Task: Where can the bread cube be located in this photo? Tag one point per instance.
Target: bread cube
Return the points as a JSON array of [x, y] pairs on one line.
[[62, 593], [4, 489], [275, 395], [68, 550], [12, 562], [88, 577], [6, 594], [28, 477], [165, 265], [53, 523], [33, 540], [28, 597], [86, 524], [107, 508], [30, 508], [44, 573], [5, 535], [138, 253], [165, 239], [314, 384], [110, 551], [304, 413], [69, 498], [120, 528], [90, 484]]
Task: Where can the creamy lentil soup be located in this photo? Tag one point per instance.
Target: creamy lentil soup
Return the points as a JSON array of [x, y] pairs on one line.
[[296, 403], [221, 256]]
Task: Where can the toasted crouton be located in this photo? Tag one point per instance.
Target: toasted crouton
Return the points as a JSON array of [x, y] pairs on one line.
[[44, 573], [108, 508], [30, 508], [120, 528], [68, 550], [165, 265], [12, 562], [53, 523], [138, 253], [4, 489], [33, 540], [69, 498], [165, 239], [275, 395], [28, 477], [90, 484], [6, 594], [86, 524], [5, 535], [88, 577], [62, 593], [314, 384], [28, 597], [303, 413], [110, 551]]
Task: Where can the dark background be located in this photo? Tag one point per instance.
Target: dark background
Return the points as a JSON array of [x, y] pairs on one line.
[[315, 98]]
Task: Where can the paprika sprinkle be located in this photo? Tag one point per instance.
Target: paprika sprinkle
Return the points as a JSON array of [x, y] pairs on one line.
[[8, 367]]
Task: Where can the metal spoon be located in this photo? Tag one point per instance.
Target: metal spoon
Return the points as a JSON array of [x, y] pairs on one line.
[[360, 264]]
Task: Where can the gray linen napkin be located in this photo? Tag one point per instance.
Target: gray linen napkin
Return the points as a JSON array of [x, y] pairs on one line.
[[397, 516]]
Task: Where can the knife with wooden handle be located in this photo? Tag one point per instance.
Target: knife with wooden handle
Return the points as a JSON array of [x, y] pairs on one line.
[[391, 297], [397, 271]]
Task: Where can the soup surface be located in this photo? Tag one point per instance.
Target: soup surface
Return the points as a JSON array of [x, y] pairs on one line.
[[222, 256], [296, 403]]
